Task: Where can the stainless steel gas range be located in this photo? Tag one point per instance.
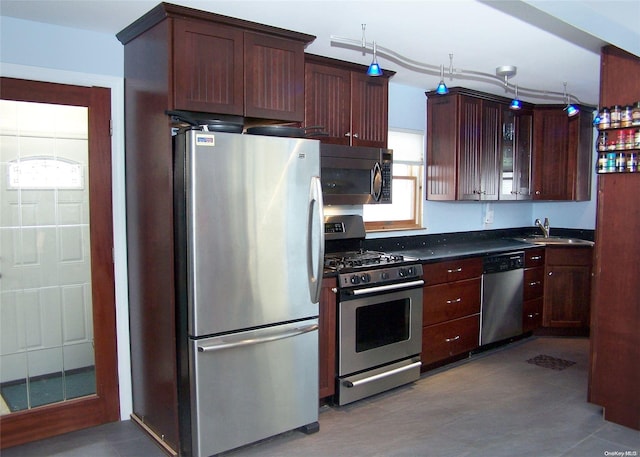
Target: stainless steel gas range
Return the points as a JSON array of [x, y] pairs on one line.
[[379, 330]]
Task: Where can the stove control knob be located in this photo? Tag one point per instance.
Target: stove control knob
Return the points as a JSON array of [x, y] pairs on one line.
[[355, 279], [402, 272], [384, 275], [411, 271], [366, 277]]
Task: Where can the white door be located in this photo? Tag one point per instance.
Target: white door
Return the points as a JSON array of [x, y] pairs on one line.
[[46, 342]]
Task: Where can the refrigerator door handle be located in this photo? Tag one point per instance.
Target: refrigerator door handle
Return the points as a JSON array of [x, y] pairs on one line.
[[315, 208], [279, 335]]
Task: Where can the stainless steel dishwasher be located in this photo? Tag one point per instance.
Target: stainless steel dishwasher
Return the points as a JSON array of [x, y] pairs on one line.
[[502, 279]]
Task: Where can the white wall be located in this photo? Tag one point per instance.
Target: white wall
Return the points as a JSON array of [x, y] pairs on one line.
[[44, 52]]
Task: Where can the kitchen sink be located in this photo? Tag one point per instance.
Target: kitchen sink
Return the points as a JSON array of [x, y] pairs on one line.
[[555, 241]]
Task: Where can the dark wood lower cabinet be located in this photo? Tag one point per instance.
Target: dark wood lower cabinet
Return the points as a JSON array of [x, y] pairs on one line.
[[450, 338], [327, 338], [567, 287]]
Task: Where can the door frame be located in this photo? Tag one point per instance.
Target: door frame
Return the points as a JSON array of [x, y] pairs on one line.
[[50, 420]]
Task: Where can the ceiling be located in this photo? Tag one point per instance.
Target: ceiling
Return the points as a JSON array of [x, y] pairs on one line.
[[549, 41]]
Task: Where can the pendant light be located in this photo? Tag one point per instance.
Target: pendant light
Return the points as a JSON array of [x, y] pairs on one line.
[[571, 109], [516, 104], [374, 68], [442, 88]]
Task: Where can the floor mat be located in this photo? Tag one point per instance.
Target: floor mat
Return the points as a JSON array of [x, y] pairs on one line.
[[546, 361], [49, 389]]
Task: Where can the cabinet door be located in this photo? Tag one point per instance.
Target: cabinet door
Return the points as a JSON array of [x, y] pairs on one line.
[[273, 77], [328, 101], [490, 157], [551, 162], [327, 338], [469, 149], [516, 147], [207, 68], [369, 106], [567, 287], [442, 144]]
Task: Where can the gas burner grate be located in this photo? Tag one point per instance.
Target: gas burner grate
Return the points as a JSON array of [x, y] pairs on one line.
[[360, 259]]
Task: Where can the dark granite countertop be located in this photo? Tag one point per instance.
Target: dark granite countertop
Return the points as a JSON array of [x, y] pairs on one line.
[[457, 250]]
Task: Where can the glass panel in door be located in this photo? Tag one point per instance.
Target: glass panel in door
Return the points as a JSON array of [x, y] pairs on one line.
[[46, 343]]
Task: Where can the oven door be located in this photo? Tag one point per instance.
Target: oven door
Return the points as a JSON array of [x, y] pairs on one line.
[[379, 328]]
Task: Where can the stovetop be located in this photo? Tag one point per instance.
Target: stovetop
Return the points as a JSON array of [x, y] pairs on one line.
[[350, 260]]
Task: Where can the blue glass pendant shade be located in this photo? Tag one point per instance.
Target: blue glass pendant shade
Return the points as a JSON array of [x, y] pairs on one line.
[[442, 88], [572, 110], [515, 104], [374, 69]]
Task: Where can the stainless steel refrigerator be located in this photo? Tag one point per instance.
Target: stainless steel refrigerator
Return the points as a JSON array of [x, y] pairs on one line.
[[249, 262]]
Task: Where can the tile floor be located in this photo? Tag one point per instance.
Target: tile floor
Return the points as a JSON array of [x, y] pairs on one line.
[[494, 404]]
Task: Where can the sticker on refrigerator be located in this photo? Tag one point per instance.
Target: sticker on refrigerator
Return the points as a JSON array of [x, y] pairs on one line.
[[205, 140]]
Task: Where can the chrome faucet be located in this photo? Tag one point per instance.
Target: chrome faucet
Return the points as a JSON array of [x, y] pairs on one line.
[[544, 227]]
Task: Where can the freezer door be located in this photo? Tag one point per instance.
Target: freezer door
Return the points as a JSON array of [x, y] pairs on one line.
[[252, 385], [255, 238]]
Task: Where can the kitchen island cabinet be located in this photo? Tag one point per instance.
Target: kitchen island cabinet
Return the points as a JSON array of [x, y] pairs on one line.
[[327, 337], [567, 287], [346, 105], [562, 152], [451, 309]]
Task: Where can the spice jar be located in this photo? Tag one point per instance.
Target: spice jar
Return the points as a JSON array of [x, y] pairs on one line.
[[602, 141], [632, 161], [621, 161], [621, 141], [611, 162], [629, 139], [626, 116], [635, 114], [616, 113], [637, 139], [605, 118], [602, 162]]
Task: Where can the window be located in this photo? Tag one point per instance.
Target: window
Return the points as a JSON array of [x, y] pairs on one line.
[[406, 210]]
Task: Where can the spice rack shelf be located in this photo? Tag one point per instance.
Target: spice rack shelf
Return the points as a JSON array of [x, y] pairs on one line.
[[618, 148]]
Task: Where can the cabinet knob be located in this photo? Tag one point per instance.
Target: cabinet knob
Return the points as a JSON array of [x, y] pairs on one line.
[[537, 192], [348, 134], [550, 273], [355, 135]]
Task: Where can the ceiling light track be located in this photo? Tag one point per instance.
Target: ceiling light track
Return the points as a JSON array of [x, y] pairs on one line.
[[458, 73]]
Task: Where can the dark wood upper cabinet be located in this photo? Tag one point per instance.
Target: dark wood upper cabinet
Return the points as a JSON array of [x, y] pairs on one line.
[[350, 107], [562, 152], [465, 145], [207, 67], [273, 77], [221, 65]]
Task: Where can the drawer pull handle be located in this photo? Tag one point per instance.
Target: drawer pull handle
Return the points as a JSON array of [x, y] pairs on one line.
[[535, 283], [457, 270], [449, 340], [536, 257], [530, 316], [457, 300]]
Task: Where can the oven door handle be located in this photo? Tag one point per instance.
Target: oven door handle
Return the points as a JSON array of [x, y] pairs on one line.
[[385, 288], [381, 375]]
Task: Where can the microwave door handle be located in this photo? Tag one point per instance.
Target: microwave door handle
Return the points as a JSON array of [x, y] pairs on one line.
[[376, 182], [315, 231]]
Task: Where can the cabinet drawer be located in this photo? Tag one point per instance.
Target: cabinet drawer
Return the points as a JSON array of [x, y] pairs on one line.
[[533, 257], [444, 302], [452, 270], [533, 283], [532, 314], [450, 338]]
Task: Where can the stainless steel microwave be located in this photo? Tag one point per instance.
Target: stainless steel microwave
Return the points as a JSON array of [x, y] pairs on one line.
[[354, 175]]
